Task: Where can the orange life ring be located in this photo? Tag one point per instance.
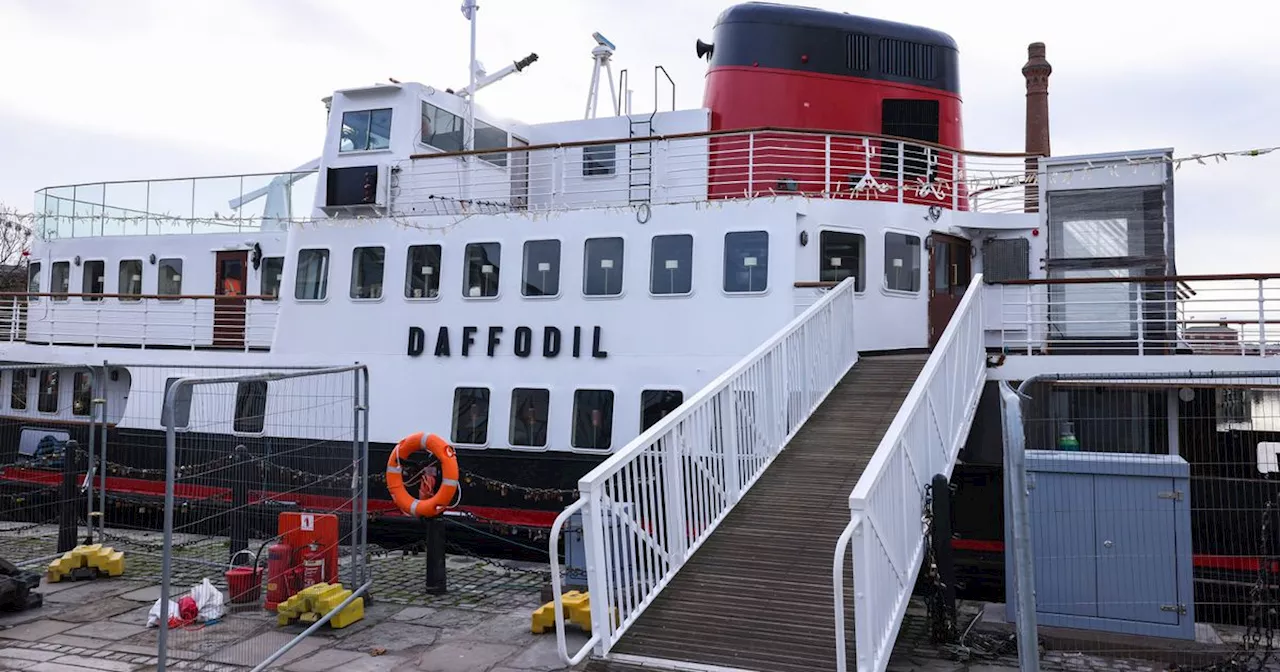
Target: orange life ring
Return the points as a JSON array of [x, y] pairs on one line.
[[423, 508]]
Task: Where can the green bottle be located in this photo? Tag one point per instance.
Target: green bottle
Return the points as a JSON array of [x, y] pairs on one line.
[[1067, 438]]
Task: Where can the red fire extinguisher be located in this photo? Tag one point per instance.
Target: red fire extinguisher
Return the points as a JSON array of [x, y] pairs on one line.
[[279, 574], [312, 565]]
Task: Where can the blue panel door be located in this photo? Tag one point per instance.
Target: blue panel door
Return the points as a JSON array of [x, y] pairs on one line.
[[1062, 537], [1136, 540]]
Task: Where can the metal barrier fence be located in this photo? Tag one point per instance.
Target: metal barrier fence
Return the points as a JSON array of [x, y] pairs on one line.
[[1150, 515], [650, 506], [263, 458]]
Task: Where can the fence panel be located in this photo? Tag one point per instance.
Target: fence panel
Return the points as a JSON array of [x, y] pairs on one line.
[[260, 459]]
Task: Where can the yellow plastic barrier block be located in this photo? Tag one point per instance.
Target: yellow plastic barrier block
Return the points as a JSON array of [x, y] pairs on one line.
[[313, 602], [352, 613], [87, 561], [577, 610]]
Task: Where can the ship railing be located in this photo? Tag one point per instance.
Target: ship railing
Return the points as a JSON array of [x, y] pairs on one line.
[[885, 535], [186, 321], [652, 504], [1114, 312], [697, 167], [213, 204]]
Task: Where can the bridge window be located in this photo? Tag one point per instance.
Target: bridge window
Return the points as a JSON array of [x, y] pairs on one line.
[[489, 136], [170, 282], [599, 160], [18, 390], [602, 272], [93, 280], [914, 119], [746, 261], [81, 393], [529, 411], [312, 283], [181, 405], [471, 416], [60, 280], [481, 279], [541, 268], [440, 129], [47, 395], [901, 262], [33, 280], [671, 268], [593, 419], [657, 404], [251, 406], [422, 272], [843, 255], [272, 277], [366, 272], [365, 130], [129, 279]]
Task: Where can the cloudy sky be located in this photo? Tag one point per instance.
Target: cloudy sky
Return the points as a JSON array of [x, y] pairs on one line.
[[129, 89]]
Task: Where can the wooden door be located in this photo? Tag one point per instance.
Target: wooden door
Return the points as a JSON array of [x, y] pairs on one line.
[[949, 272], [229, 307]]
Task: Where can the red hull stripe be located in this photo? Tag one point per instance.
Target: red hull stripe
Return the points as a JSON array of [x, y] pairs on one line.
[[1239, 563]]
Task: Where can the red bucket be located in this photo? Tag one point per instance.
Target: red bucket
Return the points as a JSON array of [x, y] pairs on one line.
[[244, 583]]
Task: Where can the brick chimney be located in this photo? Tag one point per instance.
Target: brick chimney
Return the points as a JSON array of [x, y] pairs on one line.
[[1036, 72]]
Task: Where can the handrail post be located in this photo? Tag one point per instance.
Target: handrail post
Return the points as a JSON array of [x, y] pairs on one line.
[[1030, 289], [593, 538], [826, 162], [902, 170], [1262, 318], [732, 455], [1141, 321], [751, 164], [955, 180]]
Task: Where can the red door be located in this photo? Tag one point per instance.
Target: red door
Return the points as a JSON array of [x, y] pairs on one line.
[[230, 306], [949, 272]]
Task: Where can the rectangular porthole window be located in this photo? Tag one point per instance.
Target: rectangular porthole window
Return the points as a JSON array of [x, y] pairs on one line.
[[47, 395], [529, 412], [471, 416], [33, 280], [130, 279], [60, 280], [312, 283], [602, 271], [541, 268], [251, 406], [181, 405], [18, 390], [272, 277], [842, 255], [671, 268], [746, 261], [81, 393], [593, 419], [366, 272], [657, 404], [170, 281], [93, 280], [483, 261], [422, 272], [364, 130], [901, 262], [599, 160]]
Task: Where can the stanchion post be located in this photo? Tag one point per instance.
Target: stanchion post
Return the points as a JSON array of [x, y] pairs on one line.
[[70, 500], [239, 499], [437, 583]]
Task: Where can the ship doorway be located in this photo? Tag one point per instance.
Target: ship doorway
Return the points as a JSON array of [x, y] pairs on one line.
[[949, 273], [229, 306]]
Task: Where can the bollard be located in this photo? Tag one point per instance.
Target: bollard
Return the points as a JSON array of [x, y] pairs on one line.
[[240, 476], [943, 554], [437, 583], [67, 527]]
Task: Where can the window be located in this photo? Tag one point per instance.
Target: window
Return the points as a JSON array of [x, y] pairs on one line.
[[440, 129], [746, 261], [47, 395], [671, 270], [272, 276], [599, 160], [170, 282], [592, 419], [901, 262], [491, 137], [365, 130], [422, 272], [366, 272], [481, 279], [60, 280], [656, 404], [130, 279], [81, 393], [471, 416], [915, 119], [312, 283], [251, 406], [541, 268], [842, 255], [529, 410], [18, 390], [602, 275], [93, 280], [181, 405], [33, 279]]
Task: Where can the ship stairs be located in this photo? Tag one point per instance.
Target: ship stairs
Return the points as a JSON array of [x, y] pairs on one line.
[[746, 530]]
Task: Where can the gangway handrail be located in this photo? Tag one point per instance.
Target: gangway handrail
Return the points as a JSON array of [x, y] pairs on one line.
[[909, 451], [668, 489]]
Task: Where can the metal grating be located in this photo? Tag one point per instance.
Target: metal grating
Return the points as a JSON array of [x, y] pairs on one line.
[[858, 52], [757, 595], [1005, 259], [907, 59]]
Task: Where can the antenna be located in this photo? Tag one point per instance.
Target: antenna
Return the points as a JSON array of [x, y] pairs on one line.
[[602, 54]]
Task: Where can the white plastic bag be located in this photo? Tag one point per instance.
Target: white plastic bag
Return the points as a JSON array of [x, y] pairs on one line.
[[153, 618], [208, 600]]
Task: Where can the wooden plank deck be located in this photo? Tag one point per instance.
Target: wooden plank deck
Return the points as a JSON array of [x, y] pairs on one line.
[[757, 595]]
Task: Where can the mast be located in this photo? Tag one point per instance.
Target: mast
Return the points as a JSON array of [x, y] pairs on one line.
[[469, 9]]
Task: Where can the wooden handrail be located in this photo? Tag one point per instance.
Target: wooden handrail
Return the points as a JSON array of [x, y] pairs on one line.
[[1140, 279]]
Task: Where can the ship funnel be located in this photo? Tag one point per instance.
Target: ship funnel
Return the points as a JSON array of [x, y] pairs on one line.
[[704, 49]]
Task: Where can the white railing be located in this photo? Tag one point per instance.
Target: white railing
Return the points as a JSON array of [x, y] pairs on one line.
[[112, 320], [652, 504], [1113, 313], [923, 440]]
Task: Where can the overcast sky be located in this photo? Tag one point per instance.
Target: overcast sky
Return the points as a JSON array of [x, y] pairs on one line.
[[133, 89]]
